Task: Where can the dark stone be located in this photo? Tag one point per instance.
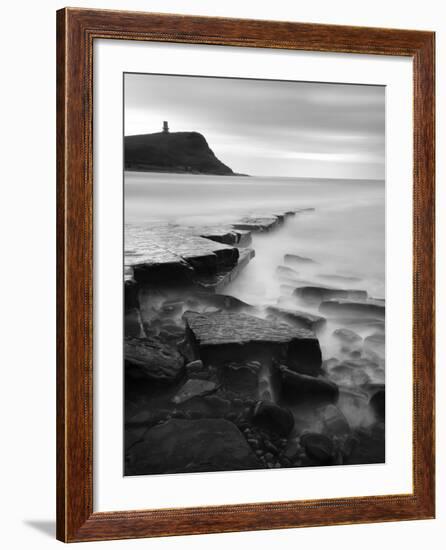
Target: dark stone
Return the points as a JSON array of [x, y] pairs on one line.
[[318, 447], [242, 377], [369, 447], [317, 294], [294, 259], [223, 337], [203, 445], [273, 418], [346, 308], [299, 388], [300, 319], [194, 388], [131, 289], [152, 360], [132, 323], [158, 271], [378, 404]]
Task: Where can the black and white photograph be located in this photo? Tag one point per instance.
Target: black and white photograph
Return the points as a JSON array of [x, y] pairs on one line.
[[253, 274]]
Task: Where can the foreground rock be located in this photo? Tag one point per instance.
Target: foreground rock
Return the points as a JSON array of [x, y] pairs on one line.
[[223, 337], [271, 417], [299, 388], [152, 360], [202, 445], [318, 294], [347, 308]]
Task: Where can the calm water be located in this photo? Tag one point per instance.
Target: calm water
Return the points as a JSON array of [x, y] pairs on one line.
[[345, 234]]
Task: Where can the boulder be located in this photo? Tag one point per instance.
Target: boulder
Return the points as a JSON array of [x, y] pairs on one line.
[[152, 360], [202, 445], [132, 323], [223, 337], [318, 294], [299, 388], [378, 404], [318, 447], [270, 417], [194, 388]]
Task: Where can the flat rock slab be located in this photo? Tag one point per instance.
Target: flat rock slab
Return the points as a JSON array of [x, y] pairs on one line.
[[224, 336], [225, 234], [204, 445], [346, 308], [174, 253], [300, 319], [258, 223]]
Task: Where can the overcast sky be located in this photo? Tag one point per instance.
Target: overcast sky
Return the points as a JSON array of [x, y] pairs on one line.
[[268, 128]]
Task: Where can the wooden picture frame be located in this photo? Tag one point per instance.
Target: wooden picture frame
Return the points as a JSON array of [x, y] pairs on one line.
[[76, 31]]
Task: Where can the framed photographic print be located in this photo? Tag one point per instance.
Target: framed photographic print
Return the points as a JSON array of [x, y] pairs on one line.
[[245, 275]]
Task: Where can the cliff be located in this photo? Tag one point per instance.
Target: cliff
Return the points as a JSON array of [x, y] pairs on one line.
[[176, 152]]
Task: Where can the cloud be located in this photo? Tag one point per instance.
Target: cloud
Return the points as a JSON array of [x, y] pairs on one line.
[[305, 128]]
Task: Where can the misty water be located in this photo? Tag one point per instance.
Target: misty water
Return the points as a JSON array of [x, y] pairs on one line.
[[344, 235]]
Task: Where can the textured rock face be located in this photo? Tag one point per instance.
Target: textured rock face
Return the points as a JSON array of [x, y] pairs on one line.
[[253, 223], [300, 319], [152, 360], [221, 337], [172, 152], [203, 445], [316, 294]]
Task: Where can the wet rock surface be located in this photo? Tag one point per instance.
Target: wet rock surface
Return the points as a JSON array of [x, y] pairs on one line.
[[152, 359], [213, 382], [203, 445]]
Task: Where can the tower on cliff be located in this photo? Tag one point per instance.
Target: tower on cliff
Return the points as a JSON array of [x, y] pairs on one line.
[[165, 127]]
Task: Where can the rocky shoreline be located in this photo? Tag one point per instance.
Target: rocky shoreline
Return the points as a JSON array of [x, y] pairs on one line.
[[213, 383]]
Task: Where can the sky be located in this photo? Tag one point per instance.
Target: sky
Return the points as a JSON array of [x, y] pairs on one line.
[[266, 127]]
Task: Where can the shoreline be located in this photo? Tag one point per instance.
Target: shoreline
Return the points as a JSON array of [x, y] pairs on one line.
[[195, 355]]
